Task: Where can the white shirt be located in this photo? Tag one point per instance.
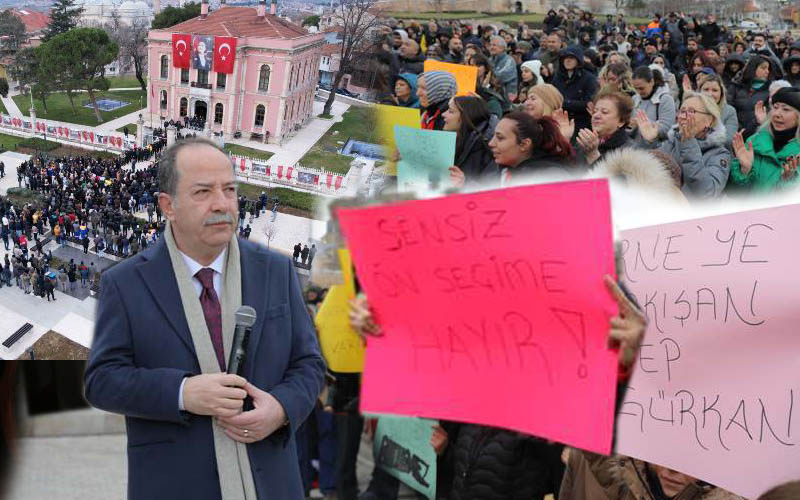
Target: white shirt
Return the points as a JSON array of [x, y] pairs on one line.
[[195, 266]]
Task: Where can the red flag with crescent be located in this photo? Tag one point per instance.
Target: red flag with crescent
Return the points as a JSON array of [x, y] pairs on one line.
[[289, 174], [181, 50], [328, 180], [280, 172], [91, 136], [338, 181], [84, 135], [241, 165], [224, 54]]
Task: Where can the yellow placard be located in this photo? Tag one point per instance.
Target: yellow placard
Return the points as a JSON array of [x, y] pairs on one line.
[[466, 76], [341, 346], [388, 117]]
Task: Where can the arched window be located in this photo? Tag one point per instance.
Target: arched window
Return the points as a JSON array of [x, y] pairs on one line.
[[163, 99], [164, 67], [184, 106], [218, 113], [260, 111], [263, 79]]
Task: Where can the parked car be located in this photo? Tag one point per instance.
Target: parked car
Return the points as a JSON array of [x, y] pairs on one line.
[[325, 86], [748, 25], [347, 93]]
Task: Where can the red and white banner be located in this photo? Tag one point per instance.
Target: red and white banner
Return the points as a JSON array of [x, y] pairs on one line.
[[224, 54], [181, 50]]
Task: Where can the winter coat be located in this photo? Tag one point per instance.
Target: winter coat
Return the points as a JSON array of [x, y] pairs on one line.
[[660, 108], [414, 65], [491, 463], [618, 140], [731, 122], [639, 168], [435, 113], [506, 71], [476, 159], [767, 164], [598, 477], [728, 75], [743, 98], [787, 69], [578, 89], [705, 163]]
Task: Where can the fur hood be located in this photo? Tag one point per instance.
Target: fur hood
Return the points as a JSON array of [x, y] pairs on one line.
[[717, 137], [637, 168]]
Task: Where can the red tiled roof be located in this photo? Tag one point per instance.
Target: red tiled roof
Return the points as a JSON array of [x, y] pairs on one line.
[[34, 20], [331, 48], [239, 22]]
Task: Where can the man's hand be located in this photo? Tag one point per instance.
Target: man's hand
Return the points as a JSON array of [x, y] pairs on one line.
[[267, 416], [214, 394]]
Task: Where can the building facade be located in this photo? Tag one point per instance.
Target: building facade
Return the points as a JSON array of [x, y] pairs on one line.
[[270, 91]]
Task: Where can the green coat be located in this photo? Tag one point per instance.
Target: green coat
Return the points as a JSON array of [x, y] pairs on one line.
[[767, 164]]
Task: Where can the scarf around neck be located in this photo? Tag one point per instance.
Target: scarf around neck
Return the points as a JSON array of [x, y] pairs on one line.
[[233, 464]]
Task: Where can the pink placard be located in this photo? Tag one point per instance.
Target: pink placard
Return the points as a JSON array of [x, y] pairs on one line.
[[716, 390], [494, 308]]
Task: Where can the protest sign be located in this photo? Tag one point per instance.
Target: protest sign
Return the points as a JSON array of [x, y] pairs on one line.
[[341, 346], [388, 117], [426, 156], [493, 308], [402, 448], [466, 76], [714, 388]]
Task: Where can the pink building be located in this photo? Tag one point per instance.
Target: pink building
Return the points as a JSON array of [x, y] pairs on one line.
[[268, 94]]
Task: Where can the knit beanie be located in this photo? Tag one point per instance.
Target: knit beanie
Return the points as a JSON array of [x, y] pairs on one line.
[[549, 95], [535, 67], [789, 96], [439, 85]]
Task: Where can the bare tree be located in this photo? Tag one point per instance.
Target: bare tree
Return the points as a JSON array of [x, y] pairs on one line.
[[358, 18], [132, 41], [270, 231]]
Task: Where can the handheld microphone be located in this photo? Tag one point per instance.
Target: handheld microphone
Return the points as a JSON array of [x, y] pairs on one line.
[[245, 319]]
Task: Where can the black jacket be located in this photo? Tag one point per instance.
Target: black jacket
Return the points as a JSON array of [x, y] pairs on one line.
[[475, 158], [498, 464], [742, 97], [618, 139], [413, 65], [577, 89]]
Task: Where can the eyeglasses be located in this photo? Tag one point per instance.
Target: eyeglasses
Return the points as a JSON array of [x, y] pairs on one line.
[[691, 112]]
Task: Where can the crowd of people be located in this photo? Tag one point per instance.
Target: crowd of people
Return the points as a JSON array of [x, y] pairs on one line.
[[682, 106], [720, 106]]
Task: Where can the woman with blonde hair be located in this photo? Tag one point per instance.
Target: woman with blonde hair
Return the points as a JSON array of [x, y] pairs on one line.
[[617, 76], [714, 87], [696, 143]]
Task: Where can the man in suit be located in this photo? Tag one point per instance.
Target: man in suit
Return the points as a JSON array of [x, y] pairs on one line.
[[164, 333]]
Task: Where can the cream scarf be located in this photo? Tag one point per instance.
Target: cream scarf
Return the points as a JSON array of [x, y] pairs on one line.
[[233, 464]]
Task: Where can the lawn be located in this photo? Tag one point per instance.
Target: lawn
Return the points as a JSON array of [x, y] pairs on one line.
[[245, 151], [30, 144], [123, 82], [332, 162], [296, 199], [3, 108], [58, 107], [357, 123], [131, 128]]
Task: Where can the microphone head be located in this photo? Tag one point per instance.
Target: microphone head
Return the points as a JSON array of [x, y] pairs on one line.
[[245, 316]]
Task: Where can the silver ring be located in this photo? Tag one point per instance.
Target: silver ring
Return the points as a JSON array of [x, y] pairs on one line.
[[245, 432]]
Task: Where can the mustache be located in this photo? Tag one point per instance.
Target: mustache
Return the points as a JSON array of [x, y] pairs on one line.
[[218, 218]]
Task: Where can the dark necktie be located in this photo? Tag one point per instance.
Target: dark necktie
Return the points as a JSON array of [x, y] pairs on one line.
[[212, 311]]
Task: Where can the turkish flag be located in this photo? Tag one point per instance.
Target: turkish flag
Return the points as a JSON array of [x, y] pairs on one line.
[[84, 135], [328, 180], [268, 169], [181, 50], [289, 174], [224, 53], [241, 167], [280, 172], [91, 136], [338, 181]]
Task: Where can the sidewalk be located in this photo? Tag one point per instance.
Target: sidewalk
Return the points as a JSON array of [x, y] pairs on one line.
[[11, 106], [295, 148], [116, 123]]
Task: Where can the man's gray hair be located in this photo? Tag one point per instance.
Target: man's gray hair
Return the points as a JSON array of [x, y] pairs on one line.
[[168, 165], [499, 39]]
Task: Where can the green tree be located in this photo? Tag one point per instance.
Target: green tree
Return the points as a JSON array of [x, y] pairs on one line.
[[12, 32], [171, 16], [63, 17], [3, 87], [25, 70], [311, 21], [77, 59]]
